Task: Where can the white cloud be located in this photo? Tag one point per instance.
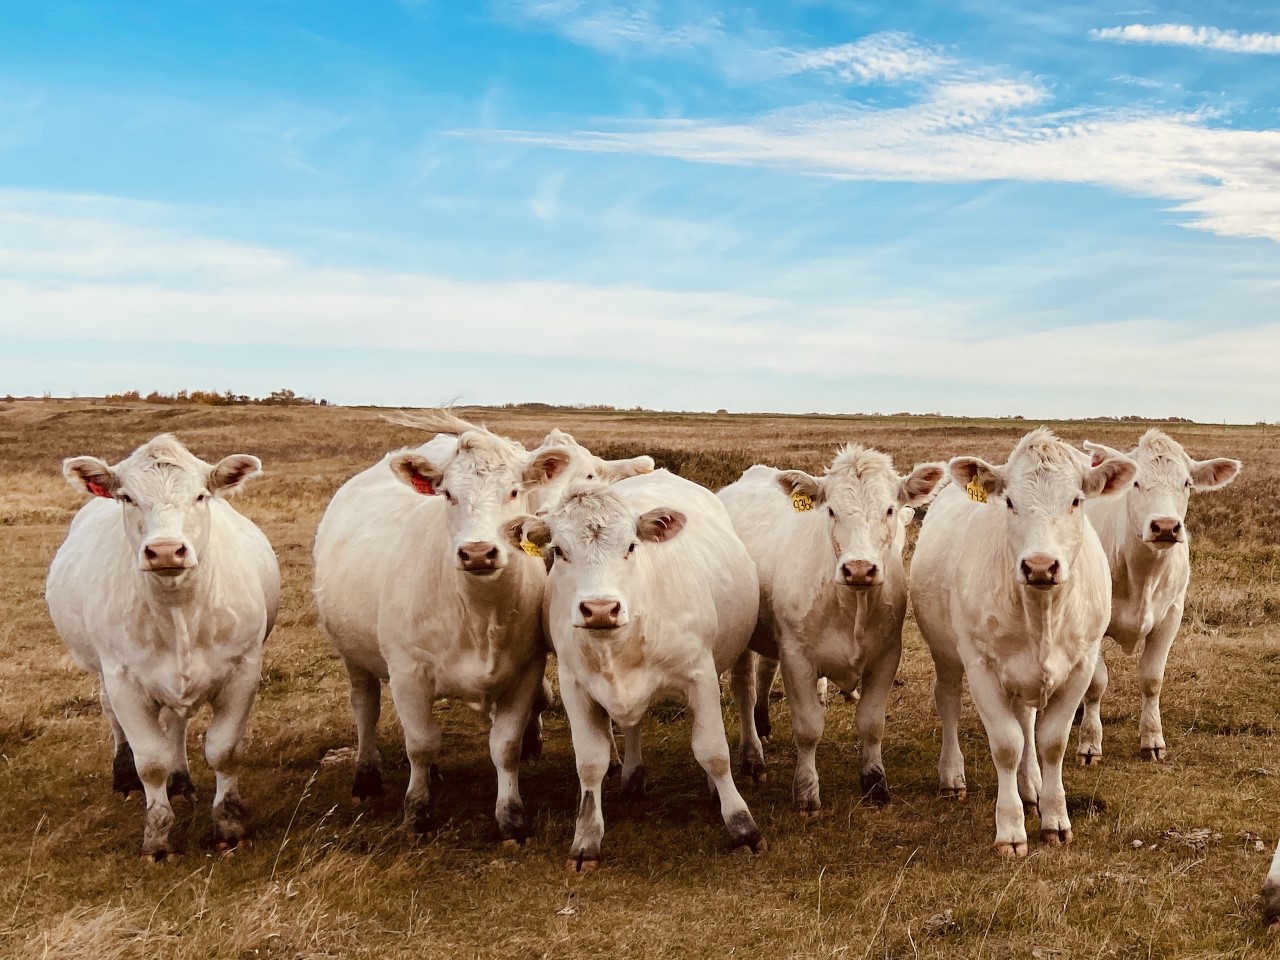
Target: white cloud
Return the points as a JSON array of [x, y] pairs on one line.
[[1180, 35], [878, 58], [153, 284]]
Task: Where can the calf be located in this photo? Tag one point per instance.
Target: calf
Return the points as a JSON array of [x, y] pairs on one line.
[[1144, 535], [167, 593], [833, 593], [651, 594], [1010, 587], [352, 569]]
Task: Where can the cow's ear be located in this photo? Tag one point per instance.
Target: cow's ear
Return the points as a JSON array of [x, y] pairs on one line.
[[906, 515], [1214, 474], [547, 465], [1109, 477], [1098, 452], [91, 475], [660, 524], [417, 471], [231, 472], [526, 527], [795, 482], [967, 470], [621, 469], [918, 487]]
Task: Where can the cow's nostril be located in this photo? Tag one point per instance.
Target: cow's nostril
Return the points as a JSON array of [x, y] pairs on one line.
[[149, 553], [180, 552], [492, 554]]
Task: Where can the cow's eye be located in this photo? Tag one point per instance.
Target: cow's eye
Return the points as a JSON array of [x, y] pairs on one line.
[[1135, 485], [124, 498], [1009, 503], [201, 498], [514, 494], [559, 554], [591, 476], [1189, 484], [831, 513], [889, 512], [448, 496], [631, 549], [1075, 503]]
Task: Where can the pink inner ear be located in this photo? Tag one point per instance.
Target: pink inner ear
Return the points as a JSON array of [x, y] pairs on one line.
[[97, 489], [423, 486], [1097, 459]]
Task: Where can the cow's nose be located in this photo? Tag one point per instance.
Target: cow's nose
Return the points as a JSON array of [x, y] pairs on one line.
[[1040, 570], [1165, 529], [166, 555], [479, 556], [600, 614], [859, 573]]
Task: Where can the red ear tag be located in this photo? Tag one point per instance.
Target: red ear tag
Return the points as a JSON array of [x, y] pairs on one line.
[[97, 489], [423, 486]]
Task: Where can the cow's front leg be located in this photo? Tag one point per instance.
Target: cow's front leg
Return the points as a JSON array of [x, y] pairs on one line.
[[877, 684], [1271, 893], [1155, 654], [1089, 751], [1030, 779], [124, 774], [413, 693], [1005, 736], [750, 750], [139, 719], [1053, 737], [223, 748], [799, 679], [366, 706], [711, 749], [592, 746], [511, 714]]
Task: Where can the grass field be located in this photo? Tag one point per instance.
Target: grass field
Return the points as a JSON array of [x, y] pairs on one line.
[[918, 879]]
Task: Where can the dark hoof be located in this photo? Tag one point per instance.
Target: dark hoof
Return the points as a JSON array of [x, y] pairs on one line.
[[1154, 754], [1030, 808], [1012, 850], [1089, 759], [582, 863], [124, 776], [1056, 838], [163, 854], [811, 809], [875, 789], [952, 793], [753, 771], [180, 786], [764, 728], [633, 787], [229, 830], [513, 825], [1271, 906], [368, 782]]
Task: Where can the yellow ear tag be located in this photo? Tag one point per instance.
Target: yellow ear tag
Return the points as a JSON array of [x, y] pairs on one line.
[[801, 501], [531, 548], [977, 492]]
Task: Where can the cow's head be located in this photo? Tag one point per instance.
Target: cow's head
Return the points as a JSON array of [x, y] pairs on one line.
[[583, 465], [164, 491], [862, 499], [1157, 500], [1042, 490], [484, 480], [598, 543]]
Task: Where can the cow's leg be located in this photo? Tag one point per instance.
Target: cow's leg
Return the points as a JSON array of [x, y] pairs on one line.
[[877, 684], [807, 720], [1029, 777], [1271, 892], [1053, 738], [632, 764], [592, 742], [947, 692], [711, 750], [1155, 654], [223, 749], [1089, 751], [413, 692], [139, 719], [511, 715], [175, 728], [766, 672], [366, 706], [750, 749], [531, 743], [1004, 733], [124, 775]]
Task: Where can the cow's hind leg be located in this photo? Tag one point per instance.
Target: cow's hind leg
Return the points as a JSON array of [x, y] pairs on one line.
[[179, 786], [512, 713], [592, 746], [766, 672], [366, 707], [633, 777], [1089, 750], [531, 743], [1030, 778], [750, 749], [949, 675], [124, 773], [711, 749], [223, 747]]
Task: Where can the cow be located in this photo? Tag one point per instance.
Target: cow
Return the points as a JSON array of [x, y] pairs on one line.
[[1010, 587], [833, 595], [1144, 535], [1271, 894], [651, 594], [348, 588], [168, 594]]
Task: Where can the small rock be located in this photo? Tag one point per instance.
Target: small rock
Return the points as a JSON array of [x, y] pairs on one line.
[[338, 755], [940, 924], [567, 911], [1136, 844]]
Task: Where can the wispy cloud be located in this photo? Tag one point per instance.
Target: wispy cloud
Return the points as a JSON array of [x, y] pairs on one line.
[[878, 58], [1181, 35]]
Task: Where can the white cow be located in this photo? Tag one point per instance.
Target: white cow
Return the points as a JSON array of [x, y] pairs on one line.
[[348, 588], [651, 594], [1271, 893], [1145, 538], [833, 593], [167, 593], [1010, 587]]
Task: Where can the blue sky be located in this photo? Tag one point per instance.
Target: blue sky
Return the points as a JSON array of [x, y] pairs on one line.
[[977, 208]]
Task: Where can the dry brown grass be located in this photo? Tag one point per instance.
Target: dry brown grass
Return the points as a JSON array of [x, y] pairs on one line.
[[917, 879]]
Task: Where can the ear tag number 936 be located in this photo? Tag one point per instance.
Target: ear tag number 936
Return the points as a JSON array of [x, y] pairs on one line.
[[801, 501]]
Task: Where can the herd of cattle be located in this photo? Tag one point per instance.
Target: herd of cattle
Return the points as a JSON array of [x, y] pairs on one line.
[[452, 569]]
